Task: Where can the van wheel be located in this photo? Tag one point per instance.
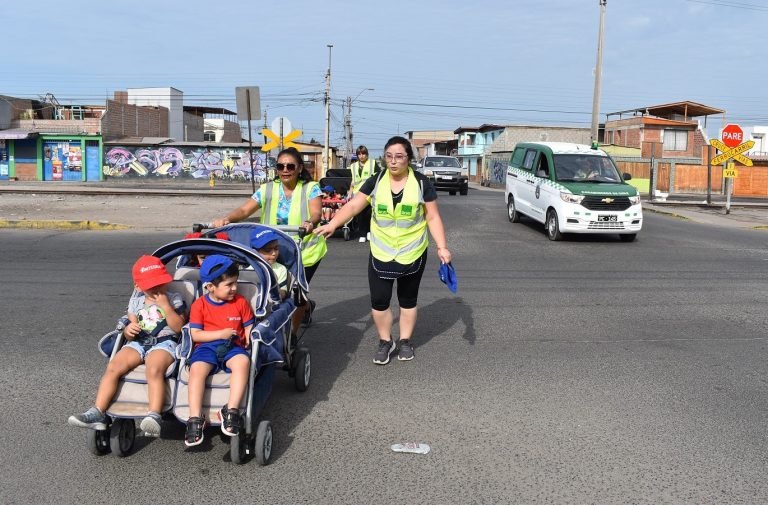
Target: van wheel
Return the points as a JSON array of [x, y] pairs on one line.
[[452, 193], [512, 214], [553, 226], [629, 237], [464, 191]]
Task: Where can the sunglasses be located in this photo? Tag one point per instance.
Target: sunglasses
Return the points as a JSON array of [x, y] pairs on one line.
[[286, 166]]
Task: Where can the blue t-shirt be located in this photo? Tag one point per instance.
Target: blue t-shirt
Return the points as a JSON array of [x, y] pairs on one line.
[[284, 204]]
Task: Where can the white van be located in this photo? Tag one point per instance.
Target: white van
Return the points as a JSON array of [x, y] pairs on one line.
[[571, 188]]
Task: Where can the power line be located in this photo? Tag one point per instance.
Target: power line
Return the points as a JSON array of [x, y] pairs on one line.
[[729, 3]]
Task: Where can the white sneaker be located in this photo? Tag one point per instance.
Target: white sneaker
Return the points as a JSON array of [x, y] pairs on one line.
[[368, 236], [361, 239]]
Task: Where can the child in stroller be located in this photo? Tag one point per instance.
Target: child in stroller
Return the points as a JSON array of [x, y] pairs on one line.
[[155, 317], [220, 324]]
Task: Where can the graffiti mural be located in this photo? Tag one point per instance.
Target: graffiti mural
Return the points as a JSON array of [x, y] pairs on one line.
[[192, 162]]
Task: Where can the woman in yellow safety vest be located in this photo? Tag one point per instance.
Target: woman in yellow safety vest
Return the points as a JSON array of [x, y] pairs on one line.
[[362, 170], [293, 198], [404, 205]]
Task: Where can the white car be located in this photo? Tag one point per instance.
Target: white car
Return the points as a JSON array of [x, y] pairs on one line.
[[571, 188]]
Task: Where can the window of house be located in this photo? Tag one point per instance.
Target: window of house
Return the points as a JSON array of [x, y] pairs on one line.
[[209, 137], [675, 140]]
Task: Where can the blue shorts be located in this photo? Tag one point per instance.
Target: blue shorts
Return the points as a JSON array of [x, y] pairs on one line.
[[168, 346], [206, 352]]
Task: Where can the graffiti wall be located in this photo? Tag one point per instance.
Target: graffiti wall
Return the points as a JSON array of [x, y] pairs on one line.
[[495, 170], [187, 162]]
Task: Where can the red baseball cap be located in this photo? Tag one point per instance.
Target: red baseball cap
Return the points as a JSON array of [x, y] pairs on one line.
[[149, 272]]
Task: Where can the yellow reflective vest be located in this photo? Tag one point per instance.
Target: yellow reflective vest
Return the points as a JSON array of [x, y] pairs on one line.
[[314, 245], [398, 233], [361, 172]]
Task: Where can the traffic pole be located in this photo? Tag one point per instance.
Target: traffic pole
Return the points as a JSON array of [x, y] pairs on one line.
[[709, 174]]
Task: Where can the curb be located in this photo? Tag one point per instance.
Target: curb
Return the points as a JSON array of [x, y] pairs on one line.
[[61, 225]]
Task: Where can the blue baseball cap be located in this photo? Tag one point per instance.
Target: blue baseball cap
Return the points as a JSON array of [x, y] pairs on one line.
[[261, 237], [448, 276], [213, 266]]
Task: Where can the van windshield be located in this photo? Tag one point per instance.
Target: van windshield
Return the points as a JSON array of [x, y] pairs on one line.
[[446, 162], [585, 168]]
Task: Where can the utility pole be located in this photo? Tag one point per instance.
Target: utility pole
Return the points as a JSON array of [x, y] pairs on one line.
[[348, 129], [598, 75], [326, 154]]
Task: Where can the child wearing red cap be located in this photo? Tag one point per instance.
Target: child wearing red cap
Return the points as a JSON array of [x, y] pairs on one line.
[[198, 258], [156, 316]]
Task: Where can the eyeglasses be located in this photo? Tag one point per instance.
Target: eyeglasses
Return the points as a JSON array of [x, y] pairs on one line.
[[286, 166], [396, 157]]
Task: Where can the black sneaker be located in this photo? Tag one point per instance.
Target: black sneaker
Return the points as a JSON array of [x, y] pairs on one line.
[[230, 421], [386, 347], [406, 350]]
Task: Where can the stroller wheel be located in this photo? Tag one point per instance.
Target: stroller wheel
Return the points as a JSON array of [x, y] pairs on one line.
[[122, 434], [98, 442], [263, 446], [347, 233], [237, 447], [302, 369]]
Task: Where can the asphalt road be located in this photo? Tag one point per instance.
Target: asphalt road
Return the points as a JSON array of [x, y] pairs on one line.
[[584, 371]]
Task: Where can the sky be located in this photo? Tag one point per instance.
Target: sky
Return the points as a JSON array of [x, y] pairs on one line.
[[433, 65]]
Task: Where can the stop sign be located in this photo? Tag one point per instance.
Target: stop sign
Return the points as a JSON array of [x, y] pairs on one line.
[[733, 135]]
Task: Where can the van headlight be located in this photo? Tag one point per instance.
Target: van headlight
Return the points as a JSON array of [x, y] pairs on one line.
[[465, 172], [428, 173], [571, 198], [634, 200]]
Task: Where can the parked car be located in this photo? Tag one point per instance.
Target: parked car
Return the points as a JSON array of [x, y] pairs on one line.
[[446, 173], [571, 188]]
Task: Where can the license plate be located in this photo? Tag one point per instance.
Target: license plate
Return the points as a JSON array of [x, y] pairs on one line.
[[607, 218], [445, 177]]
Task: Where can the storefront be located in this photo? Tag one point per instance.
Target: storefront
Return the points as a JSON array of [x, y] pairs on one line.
[[56, 158]]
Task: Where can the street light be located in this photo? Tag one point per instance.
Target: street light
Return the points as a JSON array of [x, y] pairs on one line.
[[598, 74], [348, 120]]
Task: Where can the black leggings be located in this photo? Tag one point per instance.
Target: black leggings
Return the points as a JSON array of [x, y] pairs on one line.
[[407, 287], [309, 272], [364, 221]]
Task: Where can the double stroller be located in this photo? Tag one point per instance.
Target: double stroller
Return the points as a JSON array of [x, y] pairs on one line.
[[271, 345]]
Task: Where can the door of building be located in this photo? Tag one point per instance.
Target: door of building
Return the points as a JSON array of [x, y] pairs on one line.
[[92, 168]]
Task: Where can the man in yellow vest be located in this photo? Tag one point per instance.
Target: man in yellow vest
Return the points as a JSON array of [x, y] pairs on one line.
[[362, 169]]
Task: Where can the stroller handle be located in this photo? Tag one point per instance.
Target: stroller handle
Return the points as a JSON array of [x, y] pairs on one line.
[[298, 230]]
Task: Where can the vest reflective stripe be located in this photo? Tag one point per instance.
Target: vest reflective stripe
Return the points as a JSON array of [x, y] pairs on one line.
[[314, 245], [399, 232], [358, 180]]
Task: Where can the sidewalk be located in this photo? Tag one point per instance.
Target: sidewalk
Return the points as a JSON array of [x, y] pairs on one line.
[[140, 205]]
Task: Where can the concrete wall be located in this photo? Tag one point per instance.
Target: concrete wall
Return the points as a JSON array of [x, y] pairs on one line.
[[511, 135], [225, 131], [193, 128], [89, 125], [169, 161]]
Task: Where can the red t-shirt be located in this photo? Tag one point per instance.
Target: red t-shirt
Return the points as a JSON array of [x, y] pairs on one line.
[[209, 315]]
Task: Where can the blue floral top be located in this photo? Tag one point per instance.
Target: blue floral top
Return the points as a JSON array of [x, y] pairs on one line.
[[284, 204]]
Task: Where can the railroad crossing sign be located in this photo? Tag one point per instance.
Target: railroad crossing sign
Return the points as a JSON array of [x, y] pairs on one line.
[[730, 172], [732, 152], [275, 142], [732, 135]]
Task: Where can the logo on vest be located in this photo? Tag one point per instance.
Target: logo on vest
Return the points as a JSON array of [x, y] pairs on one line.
[[381, 208], [406, 210]]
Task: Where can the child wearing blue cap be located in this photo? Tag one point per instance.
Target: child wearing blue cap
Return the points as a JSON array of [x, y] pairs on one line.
[[220, 324], [266, 243]]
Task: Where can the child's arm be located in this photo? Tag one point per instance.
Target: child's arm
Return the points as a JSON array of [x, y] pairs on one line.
[[133, 329], [174, 320], [199, 335], [247, 331]]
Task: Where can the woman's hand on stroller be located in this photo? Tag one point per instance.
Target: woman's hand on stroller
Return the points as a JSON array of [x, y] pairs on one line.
[[218, 223], [325, 230]]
